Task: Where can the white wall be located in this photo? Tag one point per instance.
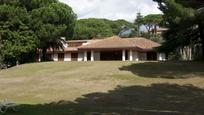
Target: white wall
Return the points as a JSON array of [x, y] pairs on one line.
[[80, 56], [67, 57]]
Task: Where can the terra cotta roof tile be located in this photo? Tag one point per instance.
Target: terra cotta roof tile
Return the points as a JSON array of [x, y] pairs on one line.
[[117, 42]]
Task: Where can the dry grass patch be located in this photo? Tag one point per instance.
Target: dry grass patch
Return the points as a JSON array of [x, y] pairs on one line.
[[105, 87]]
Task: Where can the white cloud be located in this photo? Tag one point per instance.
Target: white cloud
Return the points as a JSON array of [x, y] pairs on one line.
[[112, 9]]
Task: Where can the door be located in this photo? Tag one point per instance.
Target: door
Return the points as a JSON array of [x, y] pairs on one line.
[[152, 56], [61, 57], [111, 55], [74, 56]]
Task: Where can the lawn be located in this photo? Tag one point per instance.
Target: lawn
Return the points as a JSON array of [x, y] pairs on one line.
[[105, 88]]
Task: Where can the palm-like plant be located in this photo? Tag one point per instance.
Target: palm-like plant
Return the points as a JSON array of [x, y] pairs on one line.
[[49, 38], [53, 44]]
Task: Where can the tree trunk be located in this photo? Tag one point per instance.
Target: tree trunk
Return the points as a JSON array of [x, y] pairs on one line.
[[155, 29], [44, 51], [201, 31], [148, 29], [138, 30]]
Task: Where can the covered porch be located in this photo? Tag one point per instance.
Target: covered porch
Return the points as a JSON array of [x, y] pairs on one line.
[[107, 55], [120, 55]]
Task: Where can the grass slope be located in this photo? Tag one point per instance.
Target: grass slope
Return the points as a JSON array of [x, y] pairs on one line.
[[65, 88]]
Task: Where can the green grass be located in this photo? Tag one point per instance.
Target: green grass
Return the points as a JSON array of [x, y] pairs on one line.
[[105, 88]]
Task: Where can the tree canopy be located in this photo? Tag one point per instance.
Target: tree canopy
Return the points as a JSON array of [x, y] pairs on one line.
[[98, 28], [17, 37], [52, 22], [118, 25], [28, 25], [91, 28], [151, 23], [191, 3]]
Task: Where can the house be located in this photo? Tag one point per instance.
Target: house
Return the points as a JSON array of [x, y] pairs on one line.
[[159, 30], [112, 48]]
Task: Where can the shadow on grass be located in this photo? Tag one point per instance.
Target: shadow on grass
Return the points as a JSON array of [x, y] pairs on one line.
[[157, 99], [170, 70]]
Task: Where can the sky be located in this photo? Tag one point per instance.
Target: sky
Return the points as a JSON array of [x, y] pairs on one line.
[[112, 9]]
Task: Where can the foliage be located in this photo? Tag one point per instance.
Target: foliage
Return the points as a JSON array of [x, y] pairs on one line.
[[98, 28], [191, 3], [185, 25], [29, 5], [27, 25], [150, 21], [91, 28], [118, 25], [155, 38], [35, 4], [17, 37], [52, 22]]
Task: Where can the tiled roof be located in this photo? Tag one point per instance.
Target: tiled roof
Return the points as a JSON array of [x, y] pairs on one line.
[[71, 49], [82, 41], [114, 42], [117, 42]]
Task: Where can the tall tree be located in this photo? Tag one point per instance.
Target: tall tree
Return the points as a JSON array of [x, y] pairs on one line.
[[200, 22], [52, 22], [17, 38], [197, 5], [185, 24], [150, 21], [26, 25], [138, 22]]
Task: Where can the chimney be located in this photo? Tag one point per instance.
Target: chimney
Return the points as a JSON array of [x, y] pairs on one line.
[[63, 38], [64, 44]]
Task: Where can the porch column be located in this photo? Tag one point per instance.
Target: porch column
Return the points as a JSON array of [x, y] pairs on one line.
[[130, 55], [39, 58], [55, 57], [85, 55], [123, 56], [161, 57], [136, 56], [92, 55]]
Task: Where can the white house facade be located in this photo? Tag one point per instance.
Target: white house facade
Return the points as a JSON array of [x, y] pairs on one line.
[[108, 49]]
